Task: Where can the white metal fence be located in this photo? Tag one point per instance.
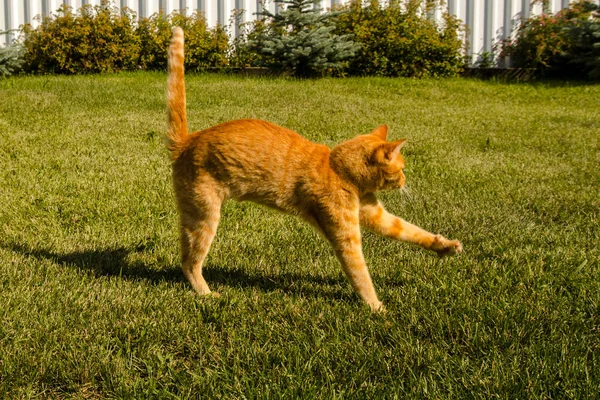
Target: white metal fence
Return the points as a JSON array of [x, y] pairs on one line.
[[489, 21]]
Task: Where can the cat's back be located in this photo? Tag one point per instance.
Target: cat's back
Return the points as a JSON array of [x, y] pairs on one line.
[[255, 158], [249, 142], [253, 134]]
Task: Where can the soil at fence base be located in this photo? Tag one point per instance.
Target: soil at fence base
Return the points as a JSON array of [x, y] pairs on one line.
[[520, 74], [248, 71], [517, 74]]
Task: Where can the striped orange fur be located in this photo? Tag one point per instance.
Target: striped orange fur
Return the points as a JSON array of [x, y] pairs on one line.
[[332, 189]]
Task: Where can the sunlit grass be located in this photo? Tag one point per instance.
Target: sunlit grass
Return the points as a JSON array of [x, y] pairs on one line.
[[93, 303]]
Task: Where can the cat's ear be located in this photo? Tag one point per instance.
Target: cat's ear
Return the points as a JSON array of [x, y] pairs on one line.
[[398, 144], [393, 148], [381, 132], [387, 152]]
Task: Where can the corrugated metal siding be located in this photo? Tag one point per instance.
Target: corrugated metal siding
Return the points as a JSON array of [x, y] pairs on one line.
[[489, 21]]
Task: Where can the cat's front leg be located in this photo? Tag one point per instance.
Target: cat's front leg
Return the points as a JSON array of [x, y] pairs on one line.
[[374, 217], [407, 232], [342, 229], [355, 268]]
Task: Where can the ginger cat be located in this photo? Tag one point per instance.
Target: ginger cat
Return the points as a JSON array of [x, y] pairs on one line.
[[332, 189]]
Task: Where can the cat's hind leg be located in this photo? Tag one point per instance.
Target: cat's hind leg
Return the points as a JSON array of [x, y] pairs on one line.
[[199, 223]]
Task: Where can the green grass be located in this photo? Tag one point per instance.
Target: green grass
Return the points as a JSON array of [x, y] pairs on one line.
[[93, 303]]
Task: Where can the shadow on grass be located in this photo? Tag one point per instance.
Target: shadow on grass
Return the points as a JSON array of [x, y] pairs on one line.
[[286, 282], [111, 262], [119, 262]]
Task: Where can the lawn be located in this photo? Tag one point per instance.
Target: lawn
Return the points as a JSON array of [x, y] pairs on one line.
[[93, 303]]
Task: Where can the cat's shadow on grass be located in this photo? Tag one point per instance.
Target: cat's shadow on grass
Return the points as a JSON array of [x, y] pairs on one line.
[[118, 262]]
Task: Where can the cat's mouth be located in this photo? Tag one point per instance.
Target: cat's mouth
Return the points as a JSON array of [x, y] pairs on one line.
[[391, 184]]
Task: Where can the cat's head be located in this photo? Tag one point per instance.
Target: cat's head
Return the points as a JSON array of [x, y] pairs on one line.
[[370, 162]]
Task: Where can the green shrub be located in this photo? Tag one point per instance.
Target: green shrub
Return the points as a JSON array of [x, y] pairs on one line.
[[243, 55], [397, 41], [95, 39], [98, 39], [585, 51], [300, 40], [11, 58], [154, 33], [565, 43], [205, 48], [371, 40]]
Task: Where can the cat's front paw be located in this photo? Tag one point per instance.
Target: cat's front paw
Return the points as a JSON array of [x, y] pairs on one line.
[[444, 247], [377, 307]]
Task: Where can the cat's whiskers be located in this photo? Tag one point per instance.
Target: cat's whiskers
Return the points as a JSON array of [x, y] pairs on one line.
[[407, 193]]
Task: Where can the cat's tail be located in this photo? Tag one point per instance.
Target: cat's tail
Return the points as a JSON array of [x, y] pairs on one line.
[[177, 129]]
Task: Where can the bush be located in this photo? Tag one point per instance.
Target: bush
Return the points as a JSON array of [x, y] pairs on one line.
[[95, 39], [155, 34], [585, 51], [205, 48], [99, 39], [11, 59], [402, 42], [565, 44], [300, 40], [371, 40], [241, 55]]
